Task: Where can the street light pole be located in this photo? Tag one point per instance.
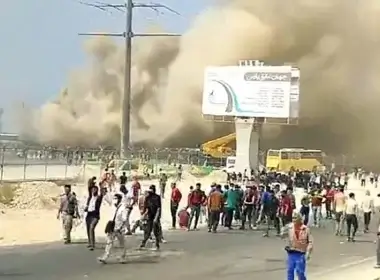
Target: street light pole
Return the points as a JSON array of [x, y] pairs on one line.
[[125, 125], [128, 34]]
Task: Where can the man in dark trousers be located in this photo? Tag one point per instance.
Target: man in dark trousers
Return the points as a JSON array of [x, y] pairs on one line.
[[123, 179], [152, 213], [215, 205], [378, 246], [175, 199], [196, 198], [93, 205], [248, 204]]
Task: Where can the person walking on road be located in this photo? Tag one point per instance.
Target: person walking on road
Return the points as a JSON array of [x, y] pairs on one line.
[[68, 210], [93, 205], [299, 247], [115, 229], [368, 208], [339, 205], [214, 205], [378, 246], [152, 213], [351, 214], [175, 199], [195, 200]]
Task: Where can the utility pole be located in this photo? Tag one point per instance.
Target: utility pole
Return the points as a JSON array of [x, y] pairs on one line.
[[128, 34], [1, 119]]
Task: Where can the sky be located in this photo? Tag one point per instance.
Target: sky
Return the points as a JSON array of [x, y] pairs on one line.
[[40, 43]]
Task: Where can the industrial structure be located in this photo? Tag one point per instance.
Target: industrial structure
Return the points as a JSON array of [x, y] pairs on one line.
[[220, 147]]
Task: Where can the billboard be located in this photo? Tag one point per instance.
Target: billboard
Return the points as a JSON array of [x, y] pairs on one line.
[[249, 91]]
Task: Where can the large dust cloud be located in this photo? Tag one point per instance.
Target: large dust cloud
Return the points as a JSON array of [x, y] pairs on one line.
[[334, 43]]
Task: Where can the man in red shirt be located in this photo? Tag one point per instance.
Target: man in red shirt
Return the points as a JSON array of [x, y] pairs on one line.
[[316, 206], [175, 199], [136, 187], [195, 200], [330, 193], [286, 209]]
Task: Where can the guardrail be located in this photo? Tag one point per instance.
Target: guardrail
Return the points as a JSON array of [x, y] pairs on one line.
[[47, 163], [26, 172], [80, 173]]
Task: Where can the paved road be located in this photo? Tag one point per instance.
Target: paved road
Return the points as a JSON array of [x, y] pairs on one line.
[[188, 255]]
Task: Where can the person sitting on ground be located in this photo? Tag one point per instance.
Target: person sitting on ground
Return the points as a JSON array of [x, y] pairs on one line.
[[183, 218]]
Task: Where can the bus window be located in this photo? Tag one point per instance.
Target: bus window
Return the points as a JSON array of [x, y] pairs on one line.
[[285, 155], [272, 153], [312, 155], [290, 155]]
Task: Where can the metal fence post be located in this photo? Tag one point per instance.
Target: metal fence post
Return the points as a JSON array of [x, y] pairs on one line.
[[2, 162], [25, 162], [45, 154], [156, 163], [66, 154], [84, 169], [344, 162]]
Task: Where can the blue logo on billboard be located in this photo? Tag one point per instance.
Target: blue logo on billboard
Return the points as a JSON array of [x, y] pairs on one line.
[[232, 100]]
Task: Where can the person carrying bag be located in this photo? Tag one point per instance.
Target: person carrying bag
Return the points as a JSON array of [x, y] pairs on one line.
[[114, 230]]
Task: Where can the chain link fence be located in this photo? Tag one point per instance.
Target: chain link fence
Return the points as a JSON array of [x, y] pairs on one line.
[[47, 163]]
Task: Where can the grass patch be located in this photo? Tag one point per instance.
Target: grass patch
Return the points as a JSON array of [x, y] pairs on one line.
[[8, 193]]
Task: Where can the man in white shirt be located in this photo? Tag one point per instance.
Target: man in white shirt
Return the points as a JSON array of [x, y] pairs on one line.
[[367, 207], [115, 229], [128, 202], [351, 217]]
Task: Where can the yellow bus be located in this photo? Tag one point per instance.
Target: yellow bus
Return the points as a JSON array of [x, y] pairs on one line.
[[287, 159]]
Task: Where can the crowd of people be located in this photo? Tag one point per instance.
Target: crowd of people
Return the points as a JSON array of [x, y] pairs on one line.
[[263, 198]]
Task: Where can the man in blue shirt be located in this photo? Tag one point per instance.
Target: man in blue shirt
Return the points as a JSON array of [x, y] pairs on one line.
[[266, 208]]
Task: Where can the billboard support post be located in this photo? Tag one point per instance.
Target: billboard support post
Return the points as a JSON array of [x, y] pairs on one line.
[[247, 144]]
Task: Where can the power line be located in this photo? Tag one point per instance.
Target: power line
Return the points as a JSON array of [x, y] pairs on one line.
[[128, 34]]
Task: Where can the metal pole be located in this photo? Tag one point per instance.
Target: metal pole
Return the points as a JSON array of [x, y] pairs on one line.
[[125, 128], [129, 5]]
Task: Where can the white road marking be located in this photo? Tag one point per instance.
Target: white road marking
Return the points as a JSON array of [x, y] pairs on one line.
[[342, 266]]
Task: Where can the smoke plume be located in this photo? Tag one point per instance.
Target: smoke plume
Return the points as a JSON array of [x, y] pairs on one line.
[[334, 42]]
